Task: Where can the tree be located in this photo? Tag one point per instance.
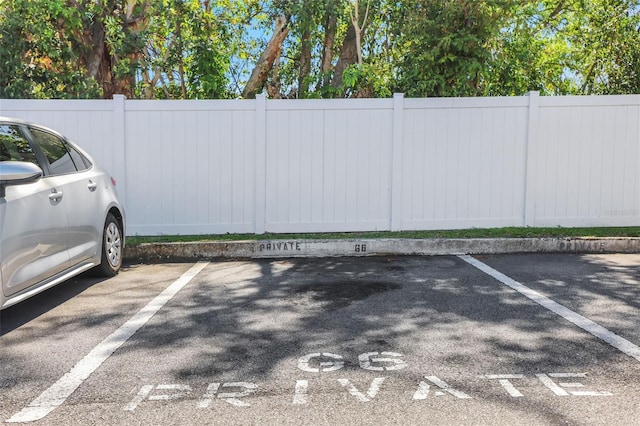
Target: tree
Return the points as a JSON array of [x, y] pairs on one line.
[[115, 42], [76, 48], [39, 58], [567, 47], [358, 25], [265, 63], [351, 75], [300, 63], [91, 48], [306, 23], [440, 47], [605, 35], [195, 49], [186, 54], [330, 28]]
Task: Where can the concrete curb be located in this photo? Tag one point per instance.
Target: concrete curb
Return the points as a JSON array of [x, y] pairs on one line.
[[163, 252]]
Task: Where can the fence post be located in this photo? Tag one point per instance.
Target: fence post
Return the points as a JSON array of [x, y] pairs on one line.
[[396, 162], [530, 160], [637, 205], [260, 188], [119, 151]]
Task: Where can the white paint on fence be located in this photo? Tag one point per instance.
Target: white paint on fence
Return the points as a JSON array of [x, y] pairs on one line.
[[244, 166]]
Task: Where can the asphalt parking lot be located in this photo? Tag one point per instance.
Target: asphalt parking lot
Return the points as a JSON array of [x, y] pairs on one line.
[[501, 339]]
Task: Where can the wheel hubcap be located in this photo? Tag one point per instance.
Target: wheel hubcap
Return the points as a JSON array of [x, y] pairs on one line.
[[113, 244]]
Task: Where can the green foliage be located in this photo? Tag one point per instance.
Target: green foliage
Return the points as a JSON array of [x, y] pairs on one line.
[[48, 46], [208, 61], [186, 48], [567, 47], [605, 35], [207, 49], [441, 47], [38, 60], [367, 80], [526, 54]]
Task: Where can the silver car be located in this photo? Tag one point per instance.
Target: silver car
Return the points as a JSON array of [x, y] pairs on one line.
[[59, 212]]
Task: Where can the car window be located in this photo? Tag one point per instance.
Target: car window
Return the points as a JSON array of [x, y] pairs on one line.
[[54, 148], [14, 146], [81, 162]]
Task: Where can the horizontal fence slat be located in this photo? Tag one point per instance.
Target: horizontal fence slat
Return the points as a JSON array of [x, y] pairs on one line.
[[328, 104], [447, 103], [191, 105], [589, 101]]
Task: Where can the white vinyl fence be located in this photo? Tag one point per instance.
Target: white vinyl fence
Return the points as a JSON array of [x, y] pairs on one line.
[[255, 166]]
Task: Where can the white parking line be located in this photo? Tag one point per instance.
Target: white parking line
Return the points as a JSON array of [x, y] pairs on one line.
[[55, 396], [586, 324]]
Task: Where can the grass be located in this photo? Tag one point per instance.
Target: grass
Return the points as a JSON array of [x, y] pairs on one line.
[[462, 233]]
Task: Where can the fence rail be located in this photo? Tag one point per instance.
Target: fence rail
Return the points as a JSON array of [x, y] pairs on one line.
[[255, 166]]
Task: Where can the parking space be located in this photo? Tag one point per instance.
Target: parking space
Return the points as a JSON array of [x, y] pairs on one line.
[[448, 339], [603, 288]]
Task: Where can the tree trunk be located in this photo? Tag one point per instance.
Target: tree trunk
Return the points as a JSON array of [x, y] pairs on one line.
[[305, 65], [327, 48], [136, 25], [348, 56], [265, 63], [94, 58], [183, 85], [99, 61], [304, 69], [359, 28], [273, 88]]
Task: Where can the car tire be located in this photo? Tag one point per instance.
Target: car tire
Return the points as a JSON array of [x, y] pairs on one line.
[[112, 245]]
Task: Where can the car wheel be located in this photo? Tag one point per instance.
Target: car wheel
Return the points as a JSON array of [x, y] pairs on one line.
[[111, 248]]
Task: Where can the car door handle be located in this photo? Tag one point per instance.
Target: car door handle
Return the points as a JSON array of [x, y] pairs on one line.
[[55, 195], [92, 186]]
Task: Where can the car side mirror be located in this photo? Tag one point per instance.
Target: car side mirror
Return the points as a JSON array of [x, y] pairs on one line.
[[17, 173]]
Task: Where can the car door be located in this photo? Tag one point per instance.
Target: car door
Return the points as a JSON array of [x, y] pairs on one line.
[[78, 183], [33, 221]]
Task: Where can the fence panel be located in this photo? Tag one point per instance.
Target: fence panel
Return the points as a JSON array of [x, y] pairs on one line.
[[88, 123], [464, 163], [328, 165], [244, 166], [588, 172], [190, 167]]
